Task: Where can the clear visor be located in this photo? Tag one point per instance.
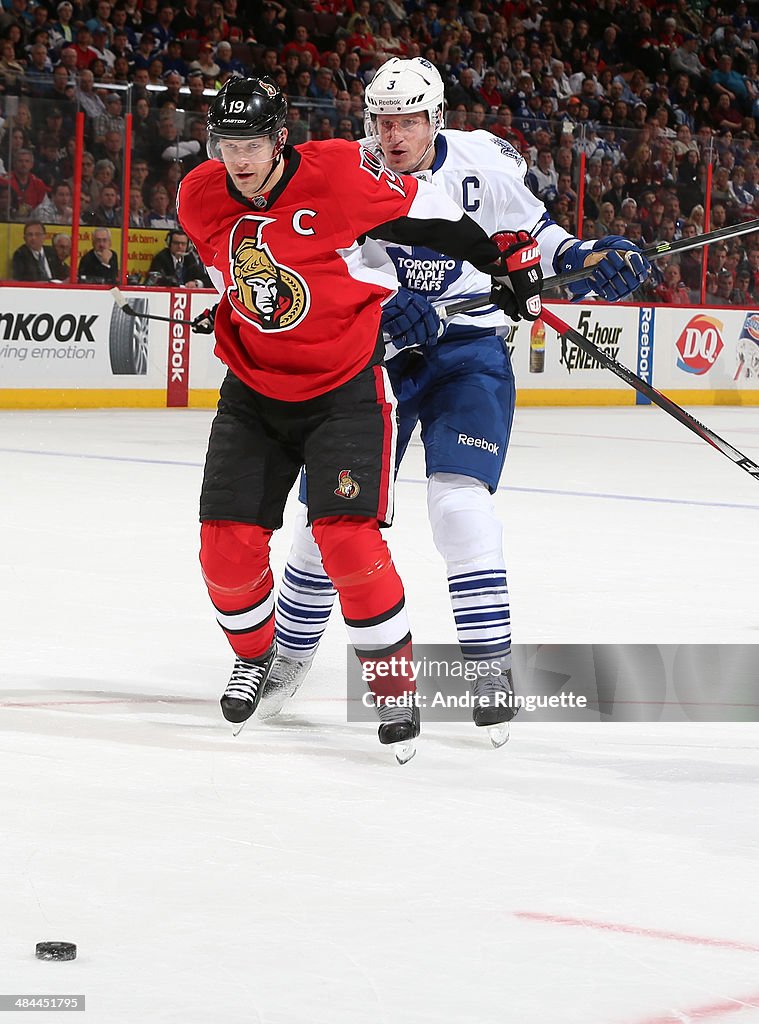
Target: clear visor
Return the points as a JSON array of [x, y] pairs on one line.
[[261, 149], [388, 125], [381, 126], [405, 140]]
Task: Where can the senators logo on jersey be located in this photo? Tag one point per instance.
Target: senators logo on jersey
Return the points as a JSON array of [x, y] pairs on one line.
[[347, 487], [266, 293]]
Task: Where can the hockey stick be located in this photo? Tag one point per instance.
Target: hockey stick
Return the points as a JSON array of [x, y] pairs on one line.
[[658, 249], [652, 252], [122, 303], [705, 433]]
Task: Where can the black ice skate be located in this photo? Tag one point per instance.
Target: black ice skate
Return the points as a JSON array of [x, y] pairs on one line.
[[493, 708], [399, 729], [282, 683], [244, 689]]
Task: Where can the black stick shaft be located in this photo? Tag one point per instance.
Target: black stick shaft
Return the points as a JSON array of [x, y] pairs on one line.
[[658, 249], [652, 252], [705, 433], [154, 316]]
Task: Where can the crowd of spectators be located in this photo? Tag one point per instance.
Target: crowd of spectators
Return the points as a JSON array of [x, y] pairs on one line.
[[637, 96]]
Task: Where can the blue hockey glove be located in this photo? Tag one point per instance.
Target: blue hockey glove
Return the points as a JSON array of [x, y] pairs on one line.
[[408, 320], [623, 268]]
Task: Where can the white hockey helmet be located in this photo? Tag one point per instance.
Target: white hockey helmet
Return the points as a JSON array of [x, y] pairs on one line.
[[405, 87]]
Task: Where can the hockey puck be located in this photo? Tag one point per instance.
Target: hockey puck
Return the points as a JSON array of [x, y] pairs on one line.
[[55, 951]]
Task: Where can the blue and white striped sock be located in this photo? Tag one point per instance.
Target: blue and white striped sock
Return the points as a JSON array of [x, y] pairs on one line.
[[304, 604], [480, 602]]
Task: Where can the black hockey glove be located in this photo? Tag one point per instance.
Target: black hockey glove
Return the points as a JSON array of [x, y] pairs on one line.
[[203, 323], [517, 292]]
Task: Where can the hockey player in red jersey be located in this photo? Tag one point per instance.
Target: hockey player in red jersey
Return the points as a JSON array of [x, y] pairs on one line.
[[286, 235]]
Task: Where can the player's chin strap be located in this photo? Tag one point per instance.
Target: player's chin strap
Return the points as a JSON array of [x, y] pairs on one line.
[[274, 165], [435, 128], [422, 158], [276, 161], [418, 165]]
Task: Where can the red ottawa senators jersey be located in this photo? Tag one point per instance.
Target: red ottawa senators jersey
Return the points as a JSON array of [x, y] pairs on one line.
[[300, 313]]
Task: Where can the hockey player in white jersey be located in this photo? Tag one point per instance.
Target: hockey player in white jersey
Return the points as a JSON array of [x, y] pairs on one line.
[[455, 379]]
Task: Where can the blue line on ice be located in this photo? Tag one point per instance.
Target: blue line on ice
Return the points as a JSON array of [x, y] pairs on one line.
[[402, 480]]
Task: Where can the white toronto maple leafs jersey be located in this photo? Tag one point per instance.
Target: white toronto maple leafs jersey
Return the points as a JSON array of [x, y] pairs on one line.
[[485, 176]]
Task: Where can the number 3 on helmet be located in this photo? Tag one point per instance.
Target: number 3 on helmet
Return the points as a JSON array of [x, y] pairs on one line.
[[405, 87]]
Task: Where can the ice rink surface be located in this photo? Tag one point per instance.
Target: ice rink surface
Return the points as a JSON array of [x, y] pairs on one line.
[[584, 874]]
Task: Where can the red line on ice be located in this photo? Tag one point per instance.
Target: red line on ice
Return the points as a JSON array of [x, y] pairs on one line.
[[647, 933], [151, 700], [706, 1012], [104, 700]]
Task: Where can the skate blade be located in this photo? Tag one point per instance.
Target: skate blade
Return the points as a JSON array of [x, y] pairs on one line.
[[269, 708], [499, 734], [238, 727], [404, 751]]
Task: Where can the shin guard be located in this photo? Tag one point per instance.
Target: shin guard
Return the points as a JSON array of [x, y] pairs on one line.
[[234, 558], [359, 564]]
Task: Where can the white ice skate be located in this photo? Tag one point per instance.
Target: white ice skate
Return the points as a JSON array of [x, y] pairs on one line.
[[282, 683]]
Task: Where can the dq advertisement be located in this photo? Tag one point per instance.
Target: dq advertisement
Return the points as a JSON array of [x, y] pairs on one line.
[[713, 353]]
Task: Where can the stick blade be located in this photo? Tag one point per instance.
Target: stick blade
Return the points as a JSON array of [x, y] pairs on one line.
[[118, 298]]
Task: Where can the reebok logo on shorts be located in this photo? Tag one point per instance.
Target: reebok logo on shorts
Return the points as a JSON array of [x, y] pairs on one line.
[[478, 442]]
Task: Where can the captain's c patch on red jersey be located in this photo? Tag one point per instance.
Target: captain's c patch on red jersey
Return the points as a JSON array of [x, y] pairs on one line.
[[265, 292]]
